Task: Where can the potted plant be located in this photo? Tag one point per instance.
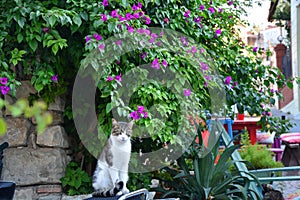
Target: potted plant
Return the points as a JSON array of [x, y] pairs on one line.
[[241, 110]]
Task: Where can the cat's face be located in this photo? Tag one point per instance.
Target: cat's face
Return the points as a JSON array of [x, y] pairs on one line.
[[121, 130]]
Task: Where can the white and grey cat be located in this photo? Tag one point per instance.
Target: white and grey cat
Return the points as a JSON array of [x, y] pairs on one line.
[[111, 174]]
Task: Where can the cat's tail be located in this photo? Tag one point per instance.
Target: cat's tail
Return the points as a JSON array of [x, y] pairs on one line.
[[109, 193]]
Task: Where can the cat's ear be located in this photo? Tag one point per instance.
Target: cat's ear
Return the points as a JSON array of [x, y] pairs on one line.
[[130, 124], [114, 121]]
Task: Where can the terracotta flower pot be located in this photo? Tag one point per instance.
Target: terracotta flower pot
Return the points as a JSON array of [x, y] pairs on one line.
[[240, 116]]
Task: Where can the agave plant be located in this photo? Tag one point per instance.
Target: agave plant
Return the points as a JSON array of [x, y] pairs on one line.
[[207, 177]]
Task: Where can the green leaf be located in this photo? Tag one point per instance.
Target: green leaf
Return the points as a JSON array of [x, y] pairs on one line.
[[52, 20], [20, 38], [33, 44], [77, 20], [108, 107], [2, 127], [55, 48]]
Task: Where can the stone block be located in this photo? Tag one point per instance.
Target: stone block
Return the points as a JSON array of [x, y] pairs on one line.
[[54, 136], [24, 194], [58, 105], [49, 189], [26, 166], [57, 118], [17, 132], [50, 197], [25, 90]]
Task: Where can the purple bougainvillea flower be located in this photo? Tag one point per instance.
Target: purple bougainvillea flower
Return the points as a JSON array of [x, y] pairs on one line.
[[202, 7], [184, 41], [101, 46], [220, 10], [130, 29], [143, 55], [118, 62], [164, 63], [119, 78], [55, 78], [128, 16], [229, 3], [187, 92], [202, 50], [4, 80], [229, 17], [255, 49], [136, 15], [155, 64], [109, 78], [207, 77], [4, 89], [235, 83], [148, 20], [103, 17], [139, 5], [218, 32], [144, 114], [87, 39], [205, 84], [105, 3], [194, 49], [187, 13], [197, 20], [211, 9], [114, 13], [135, 115], [204, 66], [118, 42], [227, 80], [97, 36], [158, 43], [46, 29], [140, 109], [166, 20], [147, 31], [153, 35], [134, 7], [161, 34]]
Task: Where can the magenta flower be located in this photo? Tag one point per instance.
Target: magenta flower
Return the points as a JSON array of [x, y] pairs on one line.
[[166, 20], [140, 109], [105, 3], [148, 20], [202, 7], [235, 83], [227, 80], [229, 17], [4, 89], [109, 78], [114, 13], [218, 32], [197, 20], [255, 49], [207, 77], [204, 66], [164, 63], [205, 84], [136, 15], [139, 5], [155, 64], [128, 16], [184, 41], [118, 78], [87, 39], [229, 3], [130, 29], [144, 114], [202, 50], [55, 78], [143, 55], [97, 36], [4, 80], [118, 42], [101, 46], [161, 34], [134, 7], [46, 29], [220, 10], [103, 17], [194, 49], [187, 92], [211, 9], [187, 13], [134, 115]]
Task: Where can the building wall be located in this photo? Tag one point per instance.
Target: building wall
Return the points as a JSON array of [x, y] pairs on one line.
[[294, 106]]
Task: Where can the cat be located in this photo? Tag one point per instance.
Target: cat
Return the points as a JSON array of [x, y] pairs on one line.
[[111, 174], [270, 193]]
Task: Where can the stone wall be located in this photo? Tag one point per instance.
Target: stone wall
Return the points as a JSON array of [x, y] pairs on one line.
[[35, 162]]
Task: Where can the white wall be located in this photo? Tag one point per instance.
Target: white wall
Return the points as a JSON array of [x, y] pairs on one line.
[[294, 106]]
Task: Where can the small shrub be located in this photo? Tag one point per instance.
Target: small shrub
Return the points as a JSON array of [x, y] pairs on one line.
[[76, 181]]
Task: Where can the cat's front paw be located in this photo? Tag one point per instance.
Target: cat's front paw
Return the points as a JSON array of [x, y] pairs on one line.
[[125, 190]]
